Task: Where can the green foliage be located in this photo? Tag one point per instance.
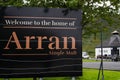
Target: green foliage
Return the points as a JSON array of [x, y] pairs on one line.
[[92, 74], [11, 3], [97, 15], [93, 10]]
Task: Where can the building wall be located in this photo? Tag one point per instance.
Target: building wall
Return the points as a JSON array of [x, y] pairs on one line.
[[105, 51]]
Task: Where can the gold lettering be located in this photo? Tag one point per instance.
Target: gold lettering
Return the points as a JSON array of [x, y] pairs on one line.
[[65, 43], [73, 42], [55, 44], [40, 41], [28, 38], [16, 41]]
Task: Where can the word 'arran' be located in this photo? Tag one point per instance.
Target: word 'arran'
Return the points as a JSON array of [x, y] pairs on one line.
[[54, 42]]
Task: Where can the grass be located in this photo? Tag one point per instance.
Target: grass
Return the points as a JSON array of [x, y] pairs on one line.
[[92, 74], [88, 74], [90, 60], [94, 60]]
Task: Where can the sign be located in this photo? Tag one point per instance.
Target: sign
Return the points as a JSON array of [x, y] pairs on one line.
[[40, 42]]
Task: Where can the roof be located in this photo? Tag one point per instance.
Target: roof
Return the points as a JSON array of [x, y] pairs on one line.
[[113, 41]]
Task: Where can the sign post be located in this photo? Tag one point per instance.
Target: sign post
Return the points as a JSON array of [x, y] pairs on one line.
[[6, 79], [73, 78], [40, 42], [34, 78], [41, 78]]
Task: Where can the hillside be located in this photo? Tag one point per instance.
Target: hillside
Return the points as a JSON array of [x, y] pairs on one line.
[[89, 43]]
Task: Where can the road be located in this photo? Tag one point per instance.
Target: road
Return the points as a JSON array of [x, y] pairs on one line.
[[106, 65]]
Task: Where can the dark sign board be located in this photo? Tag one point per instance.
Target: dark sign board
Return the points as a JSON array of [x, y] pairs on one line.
[[39, 42]]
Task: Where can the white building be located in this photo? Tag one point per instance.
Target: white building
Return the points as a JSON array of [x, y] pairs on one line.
[[110, 46]]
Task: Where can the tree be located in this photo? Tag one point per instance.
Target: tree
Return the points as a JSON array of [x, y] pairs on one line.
[[93, 10], [11, 3], [96, 14]]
